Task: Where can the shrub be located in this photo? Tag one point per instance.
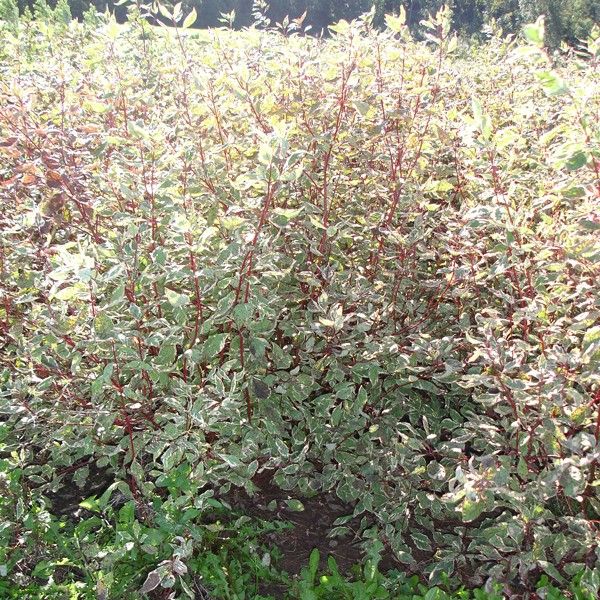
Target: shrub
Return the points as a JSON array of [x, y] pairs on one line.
[[9, 12], [365, 265]]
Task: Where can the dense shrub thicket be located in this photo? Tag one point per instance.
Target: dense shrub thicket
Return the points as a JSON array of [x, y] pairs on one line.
[[365, 265]]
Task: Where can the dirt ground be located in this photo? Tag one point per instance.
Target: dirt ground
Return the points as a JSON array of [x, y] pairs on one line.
[[310, 530], [310, 527]]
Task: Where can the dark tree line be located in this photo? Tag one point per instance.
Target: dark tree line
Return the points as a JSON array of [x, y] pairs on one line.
[[565, 20]]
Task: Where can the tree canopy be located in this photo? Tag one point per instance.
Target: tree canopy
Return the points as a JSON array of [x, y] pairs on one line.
[[565, 21]]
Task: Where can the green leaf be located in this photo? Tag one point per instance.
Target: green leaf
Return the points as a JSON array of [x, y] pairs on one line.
[[103, 324], [166, 354], [91, 504], [553, 84], [164, 11], [442, 568], [313, 565], [452, 44], [295, 505], [551, 570], [177, 300], [577, 160], [362, 107], [421, 541], [591, 335], [340, 27], [265, 154], [522, 468], [472, 509], [231, 460], [261, 389], [118, 295], [590, 225], [242, 313], [534, 32], [396, 23], [70, 293], [285, 215], [190, 19], [159, 256], [137, 131], [573, 481], [436, 471], [214, 345]]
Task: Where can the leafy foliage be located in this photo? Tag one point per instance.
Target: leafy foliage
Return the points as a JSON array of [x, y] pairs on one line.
[[122, 547], [366, 265]]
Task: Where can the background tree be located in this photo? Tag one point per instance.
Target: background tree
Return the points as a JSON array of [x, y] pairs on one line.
[[565, 21]]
